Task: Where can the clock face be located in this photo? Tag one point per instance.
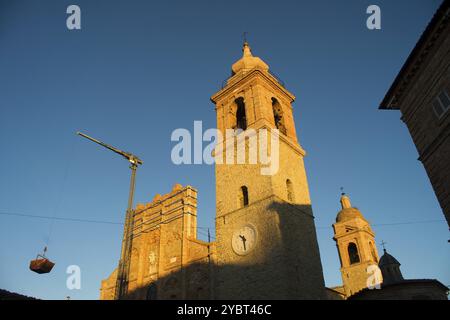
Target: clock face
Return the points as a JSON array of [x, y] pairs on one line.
[[244, 239]]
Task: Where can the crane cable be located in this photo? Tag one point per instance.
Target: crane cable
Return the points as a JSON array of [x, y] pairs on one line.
[[60, 194]]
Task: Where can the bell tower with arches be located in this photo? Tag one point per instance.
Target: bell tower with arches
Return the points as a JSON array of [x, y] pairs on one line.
[[355, 241], [265, 235]]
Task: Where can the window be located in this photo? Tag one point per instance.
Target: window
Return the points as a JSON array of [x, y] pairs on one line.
[[278, 116], [243, 197], [441, 104], [290, 190], [241, 119], [353, 253]]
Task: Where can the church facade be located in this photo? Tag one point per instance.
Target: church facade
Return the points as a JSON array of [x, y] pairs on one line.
[[266, 245]]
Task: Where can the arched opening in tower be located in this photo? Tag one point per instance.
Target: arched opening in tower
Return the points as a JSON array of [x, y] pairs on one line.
[[353, 253], [241, 119], [278, 116]]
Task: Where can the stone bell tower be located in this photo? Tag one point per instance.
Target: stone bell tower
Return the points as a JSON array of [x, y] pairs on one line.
[[266, 239], [355, 242]]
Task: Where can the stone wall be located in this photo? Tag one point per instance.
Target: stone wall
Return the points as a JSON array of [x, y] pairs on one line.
[[431, 134]]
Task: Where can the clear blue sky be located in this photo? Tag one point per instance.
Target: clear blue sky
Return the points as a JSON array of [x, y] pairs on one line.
[[140, 69]]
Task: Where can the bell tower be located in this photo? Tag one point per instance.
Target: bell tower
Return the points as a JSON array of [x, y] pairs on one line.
[[266, 239], [355, 242]]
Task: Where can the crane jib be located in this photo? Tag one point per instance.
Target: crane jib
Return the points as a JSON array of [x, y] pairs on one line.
[[129, 156]]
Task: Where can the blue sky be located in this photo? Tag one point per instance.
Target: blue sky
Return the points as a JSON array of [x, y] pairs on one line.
[[140, 69]]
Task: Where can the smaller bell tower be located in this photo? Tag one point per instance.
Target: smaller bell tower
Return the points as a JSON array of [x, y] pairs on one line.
[[355, 241]]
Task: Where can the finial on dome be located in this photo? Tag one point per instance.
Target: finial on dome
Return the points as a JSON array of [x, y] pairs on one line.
[[345, 200], [246, 47], [246, 50]]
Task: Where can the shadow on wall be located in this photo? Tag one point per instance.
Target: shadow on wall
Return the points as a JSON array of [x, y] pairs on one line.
[[286, 263]]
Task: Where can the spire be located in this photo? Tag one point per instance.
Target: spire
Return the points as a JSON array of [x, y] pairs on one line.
[[345, 201], [246, 47], [246, 50]]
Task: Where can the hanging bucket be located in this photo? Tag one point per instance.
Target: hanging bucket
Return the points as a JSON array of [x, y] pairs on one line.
[[41, 265]]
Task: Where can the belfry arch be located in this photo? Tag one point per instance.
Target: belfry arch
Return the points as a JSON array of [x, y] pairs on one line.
[[241, 117], [278, 115]]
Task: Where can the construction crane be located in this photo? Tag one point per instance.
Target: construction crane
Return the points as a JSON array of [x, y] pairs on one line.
[[125, 254]]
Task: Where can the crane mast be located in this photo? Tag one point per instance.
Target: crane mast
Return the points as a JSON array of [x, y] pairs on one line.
[[125, 254]]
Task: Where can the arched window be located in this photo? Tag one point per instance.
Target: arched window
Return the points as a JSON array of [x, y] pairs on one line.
[[241, 119], [278, 116], [290, 190], [243, 197], [353, 253]]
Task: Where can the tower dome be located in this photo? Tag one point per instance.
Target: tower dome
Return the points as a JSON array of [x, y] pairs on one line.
[[248, 61], [390, 268], [347, 212], [387, 259]]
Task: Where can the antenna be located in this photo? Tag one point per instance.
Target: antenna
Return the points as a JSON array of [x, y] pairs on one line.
[[125, 255]]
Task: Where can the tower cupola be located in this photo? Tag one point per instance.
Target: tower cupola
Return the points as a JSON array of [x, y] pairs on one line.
[[390, 268], [248, 61]]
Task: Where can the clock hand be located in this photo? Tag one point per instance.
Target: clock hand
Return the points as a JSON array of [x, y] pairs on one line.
[[243, 241]]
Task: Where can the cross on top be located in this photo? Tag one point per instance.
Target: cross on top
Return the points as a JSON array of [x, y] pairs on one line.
[[383, 245], [244, 37]]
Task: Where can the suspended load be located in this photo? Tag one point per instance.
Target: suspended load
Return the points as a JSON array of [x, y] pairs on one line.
[[41, 264]]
